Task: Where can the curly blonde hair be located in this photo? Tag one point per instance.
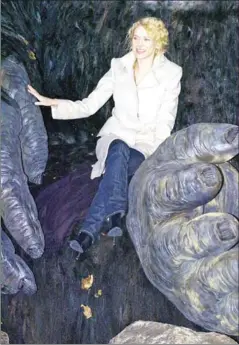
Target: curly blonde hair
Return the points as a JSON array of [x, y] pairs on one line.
[[156, 30]]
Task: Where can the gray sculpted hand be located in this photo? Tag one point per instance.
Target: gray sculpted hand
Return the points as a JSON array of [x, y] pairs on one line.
[[23, 158], [183, 209], [33, 135], [15, 274]]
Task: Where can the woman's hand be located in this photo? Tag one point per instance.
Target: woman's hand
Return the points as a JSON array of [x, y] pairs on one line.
[[45, 101]]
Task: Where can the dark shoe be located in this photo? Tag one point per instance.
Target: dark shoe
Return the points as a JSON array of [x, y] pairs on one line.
[[82, 242], [113, 226]]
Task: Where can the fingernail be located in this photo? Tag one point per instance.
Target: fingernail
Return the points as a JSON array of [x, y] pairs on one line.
[[225, 232], [209, 177], [35, 251], [231, 134]]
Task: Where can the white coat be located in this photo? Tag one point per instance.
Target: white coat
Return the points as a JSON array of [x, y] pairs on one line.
[[143, 115]]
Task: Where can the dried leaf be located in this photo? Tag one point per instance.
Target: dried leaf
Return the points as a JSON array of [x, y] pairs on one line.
[[87, 282], [31, 55], [86, 311], [98, 294], [25, 41]]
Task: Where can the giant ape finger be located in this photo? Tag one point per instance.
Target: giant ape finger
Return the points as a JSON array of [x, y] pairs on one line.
[[19, 210], [220, 273], [201, 142], [175, 187], [179, 240], [33, 136], [226, 201], [16, 275], [211, 290]]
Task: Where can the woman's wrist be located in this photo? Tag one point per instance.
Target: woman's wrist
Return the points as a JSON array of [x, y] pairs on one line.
[[54, 102]]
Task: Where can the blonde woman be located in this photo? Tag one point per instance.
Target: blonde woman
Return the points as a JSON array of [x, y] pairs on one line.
[[145, 86]]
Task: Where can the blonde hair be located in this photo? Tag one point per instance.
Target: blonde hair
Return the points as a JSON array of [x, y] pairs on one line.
[[156, 30]]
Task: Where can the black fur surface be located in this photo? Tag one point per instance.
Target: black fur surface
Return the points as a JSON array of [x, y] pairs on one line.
[[74, 41]]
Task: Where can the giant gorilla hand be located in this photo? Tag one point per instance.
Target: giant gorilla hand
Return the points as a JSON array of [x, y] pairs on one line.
[[33, 136], [16, 275], [19, 210], [183, 204], [24, 154]]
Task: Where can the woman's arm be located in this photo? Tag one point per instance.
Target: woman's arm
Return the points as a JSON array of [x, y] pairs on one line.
[[63, 109]]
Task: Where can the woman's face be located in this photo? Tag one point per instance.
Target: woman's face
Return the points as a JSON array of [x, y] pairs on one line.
[[142, 45]]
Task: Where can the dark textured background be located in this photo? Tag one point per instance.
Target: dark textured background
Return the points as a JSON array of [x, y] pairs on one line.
[[73, 42]]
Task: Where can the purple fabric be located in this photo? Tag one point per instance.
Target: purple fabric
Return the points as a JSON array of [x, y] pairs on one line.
[[64, 203]]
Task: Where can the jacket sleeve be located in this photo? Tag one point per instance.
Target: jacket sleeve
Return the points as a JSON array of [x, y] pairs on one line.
[[69, 110], [168, 109]]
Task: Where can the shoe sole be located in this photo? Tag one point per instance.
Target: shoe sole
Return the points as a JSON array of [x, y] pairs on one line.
[[115, 232], [76, 246]]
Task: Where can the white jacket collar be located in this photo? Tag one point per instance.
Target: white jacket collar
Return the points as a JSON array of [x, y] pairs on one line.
[[129, 59]]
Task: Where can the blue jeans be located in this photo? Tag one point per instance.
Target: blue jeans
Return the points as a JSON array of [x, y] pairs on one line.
[[112, 195]]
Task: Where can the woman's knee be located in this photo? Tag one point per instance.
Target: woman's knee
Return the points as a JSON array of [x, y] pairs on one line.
[[136, 159], [119, 145]]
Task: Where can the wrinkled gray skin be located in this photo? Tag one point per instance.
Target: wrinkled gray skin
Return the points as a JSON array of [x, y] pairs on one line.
[[15, 274], [24, 153], [183, 204], [19, 209], [33, 136]]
